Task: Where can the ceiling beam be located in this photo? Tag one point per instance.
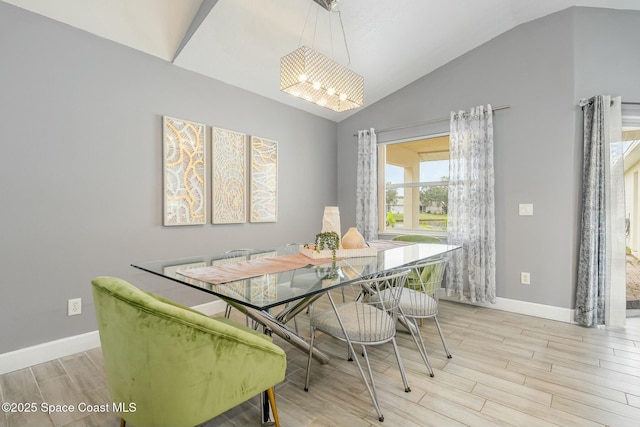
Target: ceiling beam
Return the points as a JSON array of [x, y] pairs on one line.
[[198, 19]]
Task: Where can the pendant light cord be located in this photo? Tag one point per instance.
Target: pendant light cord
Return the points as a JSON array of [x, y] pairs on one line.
[[315, 28], [305, 26], [313, 43], [344, 37]]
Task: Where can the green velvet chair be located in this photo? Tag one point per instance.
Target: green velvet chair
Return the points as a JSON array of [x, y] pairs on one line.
[[177, 366]]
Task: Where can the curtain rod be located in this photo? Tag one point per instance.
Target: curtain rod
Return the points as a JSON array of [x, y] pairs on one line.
[[428, 122], [584, 102]]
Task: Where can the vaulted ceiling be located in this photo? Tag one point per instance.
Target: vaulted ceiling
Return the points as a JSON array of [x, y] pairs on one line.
[[240, 42]]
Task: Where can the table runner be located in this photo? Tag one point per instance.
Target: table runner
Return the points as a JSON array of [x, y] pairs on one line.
[[268, 265], [231, 272]]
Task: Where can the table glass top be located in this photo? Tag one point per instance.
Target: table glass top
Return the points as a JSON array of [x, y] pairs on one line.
[[265, 291]]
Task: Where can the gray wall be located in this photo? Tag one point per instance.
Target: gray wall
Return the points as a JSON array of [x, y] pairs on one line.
[[606, 53], [81, 171], [540, 69]]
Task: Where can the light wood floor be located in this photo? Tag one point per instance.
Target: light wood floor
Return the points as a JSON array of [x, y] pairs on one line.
[[506, 370]]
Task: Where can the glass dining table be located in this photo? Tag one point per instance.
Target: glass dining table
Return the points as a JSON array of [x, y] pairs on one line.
[[256, 281]]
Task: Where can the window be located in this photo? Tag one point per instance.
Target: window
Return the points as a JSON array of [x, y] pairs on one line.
[[413, 186]]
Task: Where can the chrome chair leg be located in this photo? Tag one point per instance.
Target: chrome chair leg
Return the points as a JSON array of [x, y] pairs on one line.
[[407, 389], [371, 386], [444, 343], [417, 338]]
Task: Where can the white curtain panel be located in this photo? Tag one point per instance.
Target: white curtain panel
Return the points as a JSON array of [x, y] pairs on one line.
[[471, 213], [600, 291], [367, 185]]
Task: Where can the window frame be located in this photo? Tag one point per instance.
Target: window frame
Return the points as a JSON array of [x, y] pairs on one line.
[[382, 189]]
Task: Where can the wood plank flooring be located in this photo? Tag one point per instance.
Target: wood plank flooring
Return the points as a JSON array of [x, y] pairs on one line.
[[507, 370]]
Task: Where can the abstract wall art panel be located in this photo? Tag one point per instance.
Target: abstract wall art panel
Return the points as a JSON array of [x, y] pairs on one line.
[[264, 180], [228, 192], [184, 172]]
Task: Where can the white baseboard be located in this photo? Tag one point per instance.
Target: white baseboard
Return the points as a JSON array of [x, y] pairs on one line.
[[45, 352], [25, 357], [522, 307]]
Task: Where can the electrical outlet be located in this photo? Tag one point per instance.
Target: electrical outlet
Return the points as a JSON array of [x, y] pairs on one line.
[[74, 307], [525, 278]]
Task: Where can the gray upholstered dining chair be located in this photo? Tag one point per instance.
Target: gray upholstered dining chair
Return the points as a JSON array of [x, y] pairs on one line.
[[365, 321], [420, 301]]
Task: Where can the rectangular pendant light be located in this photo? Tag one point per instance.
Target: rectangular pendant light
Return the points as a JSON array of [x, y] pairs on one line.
[[311, 76]]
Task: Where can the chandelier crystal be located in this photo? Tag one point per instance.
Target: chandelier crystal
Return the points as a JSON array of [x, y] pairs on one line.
[[309, 75]]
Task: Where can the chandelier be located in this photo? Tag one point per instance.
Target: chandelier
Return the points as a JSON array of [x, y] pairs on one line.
[[309, 75]]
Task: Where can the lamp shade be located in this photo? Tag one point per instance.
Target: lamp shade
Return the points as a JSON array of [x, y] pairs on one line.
[[309, 75]]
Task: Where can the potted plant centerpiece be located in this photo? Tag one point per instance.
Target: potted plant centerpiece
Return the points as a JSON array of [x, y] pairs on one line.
[[329, 240]]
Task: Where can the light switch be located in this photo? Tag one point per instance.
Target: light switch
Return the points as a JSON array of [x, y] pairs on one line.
[[525, 209]]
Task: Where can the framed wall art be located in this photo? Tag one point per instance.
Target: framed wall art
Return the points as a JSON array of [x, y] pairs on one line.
[[184, 164], [229, 177], [264, 180]]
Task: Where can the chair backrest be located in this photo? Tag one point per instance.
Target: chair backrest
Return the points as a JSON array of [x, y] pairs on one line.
[[420, 300], [292, 248], [234, 255], [372, 316], [391, 284], [426, 276], [178, 366]]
